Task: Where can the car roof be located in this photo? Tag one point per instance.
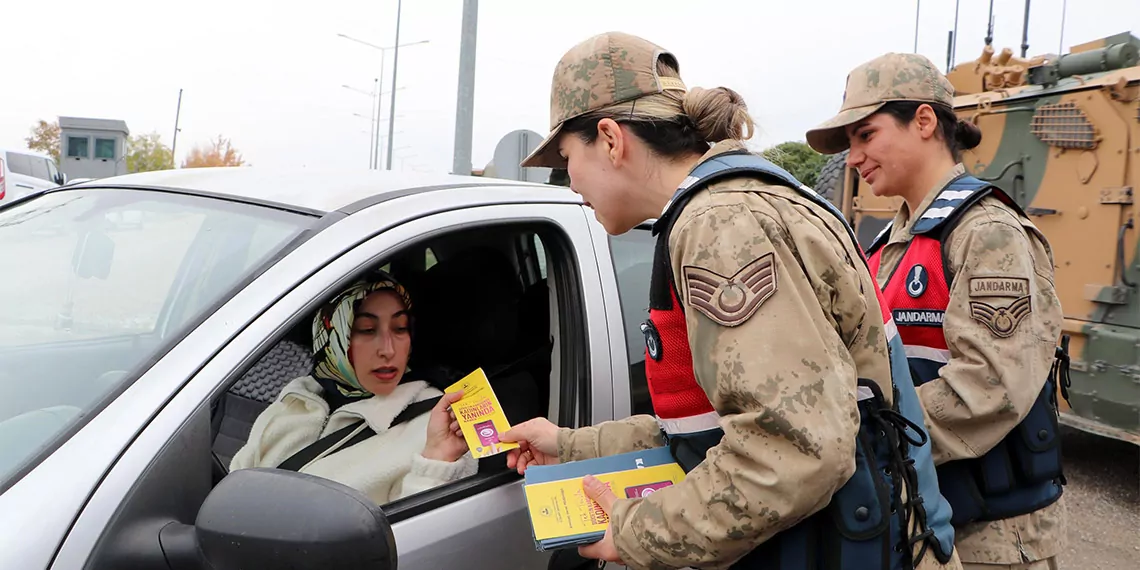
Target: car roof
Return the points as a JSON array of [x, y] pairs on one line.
[[24, 151], [314, 190]]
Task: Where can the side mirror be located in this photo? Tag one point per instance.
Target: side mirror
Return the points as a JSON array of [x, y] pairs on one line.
[[269, 518], [93, 255]]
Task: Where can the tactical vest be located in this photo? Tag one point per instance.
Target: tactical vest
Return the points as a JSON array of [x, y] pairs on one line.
[[865, 524], [1022, 473]]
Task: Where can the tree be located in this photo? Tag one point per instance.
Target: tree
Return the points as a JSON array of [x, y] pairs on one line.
[[219, 153], [799, 159], [45, 139], [147, 152]]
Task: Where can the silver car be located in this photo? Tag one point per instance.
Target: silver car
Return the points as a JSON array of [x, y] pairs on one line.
[[134, 358]]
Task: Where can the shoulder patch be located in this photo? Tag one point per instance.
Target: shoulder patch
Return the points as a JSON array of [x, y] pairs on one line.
[[730, 301], [1015, 287], [1001, 321]]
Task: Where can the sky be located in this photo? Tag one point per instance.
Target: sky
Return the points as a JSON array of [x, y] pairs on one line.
[[269, 74]]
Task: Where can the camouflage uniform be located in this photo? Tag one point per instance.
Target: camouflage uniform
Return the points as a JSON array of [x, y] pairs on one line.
[[782, 377], [992, 379], [781, 370]]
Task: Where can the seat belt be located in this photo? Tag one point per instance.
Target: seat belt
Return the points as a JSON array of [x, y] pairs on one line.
[[298, 460]]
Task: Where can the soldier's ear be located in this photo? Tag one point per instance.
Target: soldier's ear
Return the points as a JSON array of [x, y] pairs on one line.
[[926, 121], [611, 135]]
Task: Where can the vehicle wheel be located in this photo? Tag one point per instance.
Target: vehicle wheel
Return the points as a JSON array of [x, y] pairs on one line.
[[830, 181]]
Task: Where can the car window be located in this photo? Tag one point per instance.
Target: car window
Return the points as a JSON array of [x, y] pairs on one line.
[[100, 282], [632, 255], [472, 311], [540, 253], [39, 167], [19, 164]]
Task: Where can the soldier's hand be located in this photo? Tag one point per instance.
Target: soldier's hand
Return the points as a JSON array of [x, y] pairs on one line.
[[604, 549], [538, 444]]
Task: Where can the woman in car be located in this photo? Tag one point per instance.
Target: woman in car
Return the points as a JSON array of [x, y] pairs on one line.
[[361, 342]]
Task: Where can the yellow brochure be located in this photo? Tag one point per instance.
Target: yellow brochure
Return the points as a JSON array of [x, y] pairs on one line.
[[562, 509], [480, 416]]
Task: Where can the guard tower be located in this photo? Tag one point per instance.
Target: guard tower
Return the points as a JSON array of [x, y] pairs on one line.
[[92, 148]]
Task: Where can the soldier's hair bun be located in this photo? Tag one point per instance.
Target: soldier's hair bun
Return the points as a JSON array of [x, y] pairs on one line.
[[968, 135], [719, 114]]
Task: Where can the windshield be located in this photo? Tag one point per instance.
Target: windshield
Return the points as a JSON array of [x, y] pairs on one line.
[[96, 283]]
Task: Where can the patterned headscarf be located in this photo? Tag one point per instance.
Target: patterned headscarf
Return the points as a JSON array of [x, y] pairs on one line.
[[332, 331]]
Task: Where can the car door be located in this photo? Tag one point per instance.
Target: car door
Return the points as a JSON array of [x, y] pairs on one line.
[[164, 475], [42, 177], [491, 528], [21, 181]]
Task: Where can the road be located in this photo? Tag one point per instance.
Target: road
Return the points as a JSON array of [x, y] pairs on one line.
[[1103, 503]]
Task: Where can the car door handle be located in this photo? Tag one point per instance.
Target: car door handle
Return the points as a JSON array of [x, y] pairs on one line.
[[25, 186]]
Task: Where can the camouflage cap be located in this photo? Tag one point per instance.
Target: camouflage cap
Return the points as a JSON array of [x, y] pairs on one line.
[[603, 70], [890, 77]]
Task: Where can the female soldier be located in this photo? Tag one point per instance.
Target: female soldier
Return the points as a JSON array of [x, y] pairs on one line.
[[768, 355], [970, 280]]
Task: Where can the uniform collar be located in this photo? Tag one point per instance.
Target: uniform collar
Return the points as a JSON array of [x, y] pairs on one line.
[[722, 147], [904, 220]]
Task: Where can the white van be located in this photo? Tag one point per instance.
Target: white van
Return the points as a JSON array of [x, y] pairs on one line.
[[23, 172]]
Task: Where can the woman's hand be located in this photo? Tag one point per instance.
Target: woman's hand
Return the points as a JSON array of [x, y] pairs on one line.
[[538, 444], [445, 440]]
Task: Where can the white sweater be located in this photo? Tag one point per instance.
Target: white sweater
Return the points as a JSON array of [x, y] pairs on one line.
[[385, 467]]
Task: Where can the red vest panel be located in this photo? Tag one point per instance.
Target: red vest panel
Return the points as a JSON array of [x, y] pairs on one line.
[[678, 400], [918, 295]]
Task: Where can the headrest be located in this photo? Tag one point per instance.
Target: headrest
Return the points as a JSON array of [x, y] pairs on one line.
[[468, 311]]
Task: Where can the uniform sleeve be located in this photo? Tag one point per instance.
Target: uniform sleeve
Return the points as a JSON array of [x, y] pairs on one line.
[[609, 438], [1001, 326], [778, 373]]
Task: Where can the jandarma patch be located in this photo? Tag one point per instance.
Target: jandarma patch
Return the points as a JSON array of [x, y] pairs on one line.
[[1015, 287], [918, 317]]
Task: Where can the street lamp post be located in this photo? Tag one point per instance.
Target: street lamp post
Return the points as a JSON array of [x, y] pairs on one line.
[[395, 67], [375, 125], [374, 134], [379, 100], [372, 130], [465, 99], [383, 51]]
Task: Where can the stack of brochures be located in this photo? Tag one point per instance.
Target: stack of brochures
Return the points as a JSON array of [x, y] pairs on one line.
[[561, 514]]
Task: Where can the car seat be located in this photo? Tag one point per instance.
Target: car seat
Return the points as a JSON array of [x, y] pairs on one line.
[[234, 413], [470, 315]]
